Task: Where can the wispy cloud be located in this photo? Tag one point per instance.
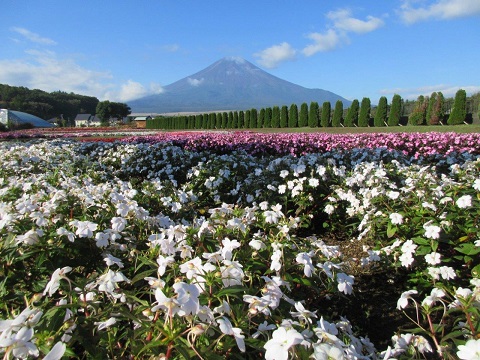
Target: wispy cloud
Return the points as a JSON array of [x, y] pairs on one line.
[[274, 55], [195, 82], [132, 90], [47, 71], [322, 42], [171, 48], [343, 23], [439, 9], [414, 93], [33, 37], [343, 20]]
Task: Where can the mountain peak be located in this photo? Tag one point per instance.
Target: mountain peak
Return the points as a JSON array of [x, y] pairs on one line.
[[230, 83]]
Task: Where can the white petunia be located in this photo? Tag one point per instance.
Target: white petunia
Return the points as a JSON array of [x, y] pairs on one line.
[[464, 201], [396, 218]]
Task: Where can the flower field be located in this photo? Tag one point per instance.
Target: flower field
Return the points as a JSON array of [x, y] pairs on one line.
[[240, 245]]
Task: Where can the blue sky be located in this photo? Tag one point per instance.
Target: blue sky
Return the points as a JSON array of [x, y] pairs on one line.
[[121, 50]]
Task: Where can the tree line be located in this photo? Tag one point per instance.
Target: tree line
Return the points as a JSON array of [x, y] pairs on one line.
[[426, 110], [58, 105]]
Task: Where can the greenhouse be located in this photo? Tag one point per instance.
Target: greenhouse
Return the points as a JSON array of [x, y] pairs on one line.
[[8, 117]]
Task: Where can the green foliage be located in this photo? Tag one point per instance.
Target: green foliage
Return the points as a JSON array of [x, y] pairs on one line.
[[326, 112], [352, 114], [253, 118], [395, 111], [419, 114], [381, 112], [275, 117], [247, 119], [431, 108], [337, 114], [268, 118], [47, 105], [261, 118], [107, 110], [313, 114], [293, 116], [284, 116], [364, 116], [218, 121], [241, 119], [459, 111], [303, 118]]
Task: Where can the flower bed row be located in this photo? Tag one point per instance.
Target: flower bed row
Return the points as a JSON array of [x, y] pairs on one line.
[[236, 246]]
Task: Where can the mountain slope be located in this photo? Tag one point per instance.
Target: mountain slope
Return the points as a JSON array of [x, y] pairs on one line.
[[230, 84]]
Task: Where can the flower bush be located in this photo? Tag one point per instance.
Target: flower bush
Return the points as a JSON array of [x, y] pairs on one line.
[[240, 246]]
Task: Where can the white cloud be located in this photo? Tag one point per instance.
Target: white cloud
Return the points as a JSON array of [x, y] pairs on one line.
[[439, 9], [33, 37], [414, 93], [276, 54], [195, 82], [132, 90], [171, 48], [322, 42], [343, 20], [45, 70]]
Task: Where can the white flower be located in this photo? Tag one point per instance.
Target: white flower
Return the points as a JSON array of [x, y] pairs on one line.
[[433, 258], [402, 302], [105, 324], [313, 182], [118, 224], [345, 283], [262, 328], [329, 209], [84, 228], [432, 231], [257, 244], [54, 283], [476, 184], [187, 298], [56, 352], [434, 296], [284, 173], [469, 351], [464, 201], [282, 189], [112, 260], [303, 313], [306, 259], [396, 218], [227, 328], [228, 247], [282, 340], [101, 239], [447, 272]]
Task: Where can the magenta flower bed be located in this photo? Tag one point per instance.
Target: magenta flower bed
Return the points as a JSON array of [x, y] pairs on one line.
[[410, 144]]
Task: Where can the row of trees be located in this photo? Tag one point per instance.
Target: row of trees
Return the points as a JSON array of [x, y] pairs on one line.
[[426, 111], [58, 104]]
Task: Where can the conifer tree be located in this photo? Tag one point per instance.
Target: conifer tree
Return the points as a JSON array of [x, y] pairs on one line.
[[235, 120], [247, 120], [395, 111], [381, 113], [364, 115], [419, 113], [275, 117], [267, 123], [253, 118], [230, 120], [438, 112], [459, 111], [212, 120], [224, 120], [261, 118], [218, 120], [198, 121], [352, 115], [284, 117], [337, 114], [293, 116], [303, 118], [431, 107], [313, 114], [326, 110], [241, 119]]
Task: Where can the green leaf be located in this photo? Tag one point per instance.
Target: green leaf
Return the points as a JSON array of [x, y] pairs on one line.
[[476, 271], [468, 249], [232, 291], [391, 230]]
